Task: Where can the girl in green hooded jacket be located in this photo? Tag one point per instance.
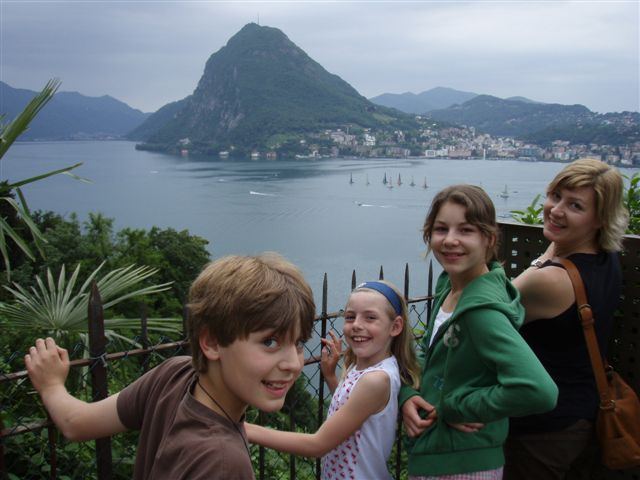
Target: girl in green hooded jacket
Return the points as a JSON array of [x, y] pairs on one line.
[[477, 371]]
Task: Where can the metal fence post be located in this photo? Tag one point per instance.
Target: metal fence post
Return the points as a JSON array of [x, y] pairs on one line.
[[399, 423], [323, 334], [53, 454], [292, 458], [429, 293], [3, 466], [261, 450], [185, 328], [98, 367], [144, 337]]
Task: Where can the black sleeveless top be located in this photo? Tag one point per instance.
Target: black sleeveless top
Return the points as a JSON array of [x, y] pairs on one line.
[[560, 345]]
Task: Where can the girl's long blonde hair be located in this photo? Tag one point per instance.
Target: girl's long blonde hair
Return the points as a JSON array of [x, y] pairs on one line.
[[402, 345]]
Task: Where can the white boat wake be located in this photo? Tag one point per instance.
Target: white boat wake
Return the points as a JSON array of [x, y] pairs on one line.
[[251, 192], [360, 204]]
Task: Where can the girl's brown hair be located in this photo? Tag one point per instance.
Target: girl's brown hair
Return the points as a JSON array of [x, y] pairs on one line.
[[479, 211], [402, 345]]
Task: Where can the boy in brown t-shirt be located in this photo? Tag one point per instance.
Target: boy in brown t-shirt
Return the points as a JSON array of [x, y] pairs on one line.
[[248, 319]]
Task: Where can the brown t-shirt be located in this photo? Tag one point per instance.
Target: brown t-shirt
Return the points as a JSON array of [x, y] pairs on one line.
[[180, 438]]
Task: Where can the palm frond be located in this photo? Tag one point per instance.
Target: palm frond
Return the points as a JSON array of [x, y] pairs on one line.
[[38, 237], [3, 246], [65, 170], [7, 231], [11, 131], [55, 306]]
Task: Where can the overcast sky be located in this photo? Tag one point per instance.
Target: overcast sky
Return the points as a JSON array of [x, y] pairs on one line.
[[149, 53]]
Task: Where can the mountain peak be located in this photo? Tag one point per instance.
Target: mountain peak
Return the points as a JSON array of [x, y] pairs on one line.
[[433, 99], [258, 89], [252, 32]]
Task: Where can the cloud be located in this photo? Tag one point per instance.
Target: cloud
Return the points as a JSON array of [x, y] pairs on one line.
[[150, 53]]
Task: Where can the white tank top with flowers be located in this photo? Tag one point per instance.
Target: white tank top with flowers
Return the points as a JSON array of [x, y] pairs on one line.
[[364, 454]]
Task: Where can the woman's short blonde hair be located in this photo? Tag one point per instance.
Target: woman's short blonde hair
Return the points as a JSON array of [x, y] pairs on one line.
[[607, 184]]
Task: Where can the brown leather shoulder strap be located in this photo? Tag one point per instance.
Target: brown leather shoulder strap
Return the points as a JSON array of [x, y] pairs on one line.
[[586, 318]]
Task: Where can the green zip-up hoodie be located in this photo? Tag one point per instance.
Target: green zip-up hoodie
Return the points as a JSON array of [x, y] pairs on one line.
[[478, 369]]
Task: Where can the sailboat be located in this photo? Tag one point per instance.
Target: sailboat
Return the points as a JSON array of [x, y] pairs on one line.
[[412, 184], [424, 185], [504, 193], [384, 180], [350, 178], [399, 180]]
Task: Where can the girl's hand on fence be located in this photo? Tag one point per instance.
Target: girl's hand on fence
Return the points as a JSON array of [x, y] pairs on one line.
[[331, 351], [414, 424], [47, 364], [468, 427]]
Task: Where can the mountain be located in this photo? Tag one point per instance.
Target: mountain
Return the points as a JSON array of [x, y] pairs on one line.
[[261, 90], [158, 119], [521, 99], [70, 115], [616, 128], [436, 98], [512, 117]]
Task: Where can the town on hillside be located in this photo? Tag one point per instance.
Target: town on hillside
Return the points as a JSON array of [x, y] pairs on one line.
[[434, 140]]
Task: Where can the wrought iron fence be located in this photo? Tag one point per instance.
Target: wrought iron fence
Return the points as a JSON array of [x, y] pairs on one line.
[[31, 447]]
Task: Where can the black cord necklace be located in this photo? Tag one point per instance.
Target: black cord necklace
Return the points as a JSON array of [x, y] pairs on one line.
[[246, 445]]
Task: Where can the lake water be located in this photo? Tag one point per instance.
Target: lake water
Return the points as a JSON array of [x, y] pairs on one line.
[[305, 209]]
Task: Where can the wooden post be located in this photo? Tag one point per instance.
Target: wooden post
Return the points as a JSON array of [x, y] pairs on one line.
[[98, 367]]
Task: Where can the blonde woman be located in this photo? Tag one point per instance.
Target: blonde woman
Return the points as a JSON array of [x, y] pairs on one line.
[[584, 221]]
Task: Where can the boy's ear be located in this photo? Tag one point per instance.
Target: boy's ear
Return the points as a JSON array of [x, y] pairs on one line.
[[397, 326], [209, 345], [492, 240]]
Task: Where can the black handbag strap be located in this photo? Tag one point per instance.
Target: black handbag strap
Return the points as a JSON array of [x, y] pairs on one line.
[[586, 318]]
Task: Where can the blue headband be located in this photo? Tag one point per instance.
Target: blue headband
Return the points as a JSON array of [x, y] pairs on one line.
[[388, 293]]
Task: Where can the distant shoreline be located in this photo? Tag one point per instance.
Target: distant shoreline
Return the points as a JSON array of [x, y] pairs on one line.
[[343, 157]]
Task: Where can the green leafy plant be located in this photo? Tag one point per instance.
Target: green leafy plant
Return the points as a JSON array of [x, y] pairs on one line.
[[55, 308], [632, 202], [9, 132], [532, 215]]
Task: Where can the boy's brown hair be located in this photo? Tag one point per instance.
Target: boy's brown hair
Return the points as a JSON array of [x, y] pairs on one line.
[[237, 295]]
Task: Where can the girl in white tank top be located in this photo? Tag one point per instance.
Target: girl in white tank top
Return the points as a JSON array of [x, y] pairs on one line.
[[356, 439]]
